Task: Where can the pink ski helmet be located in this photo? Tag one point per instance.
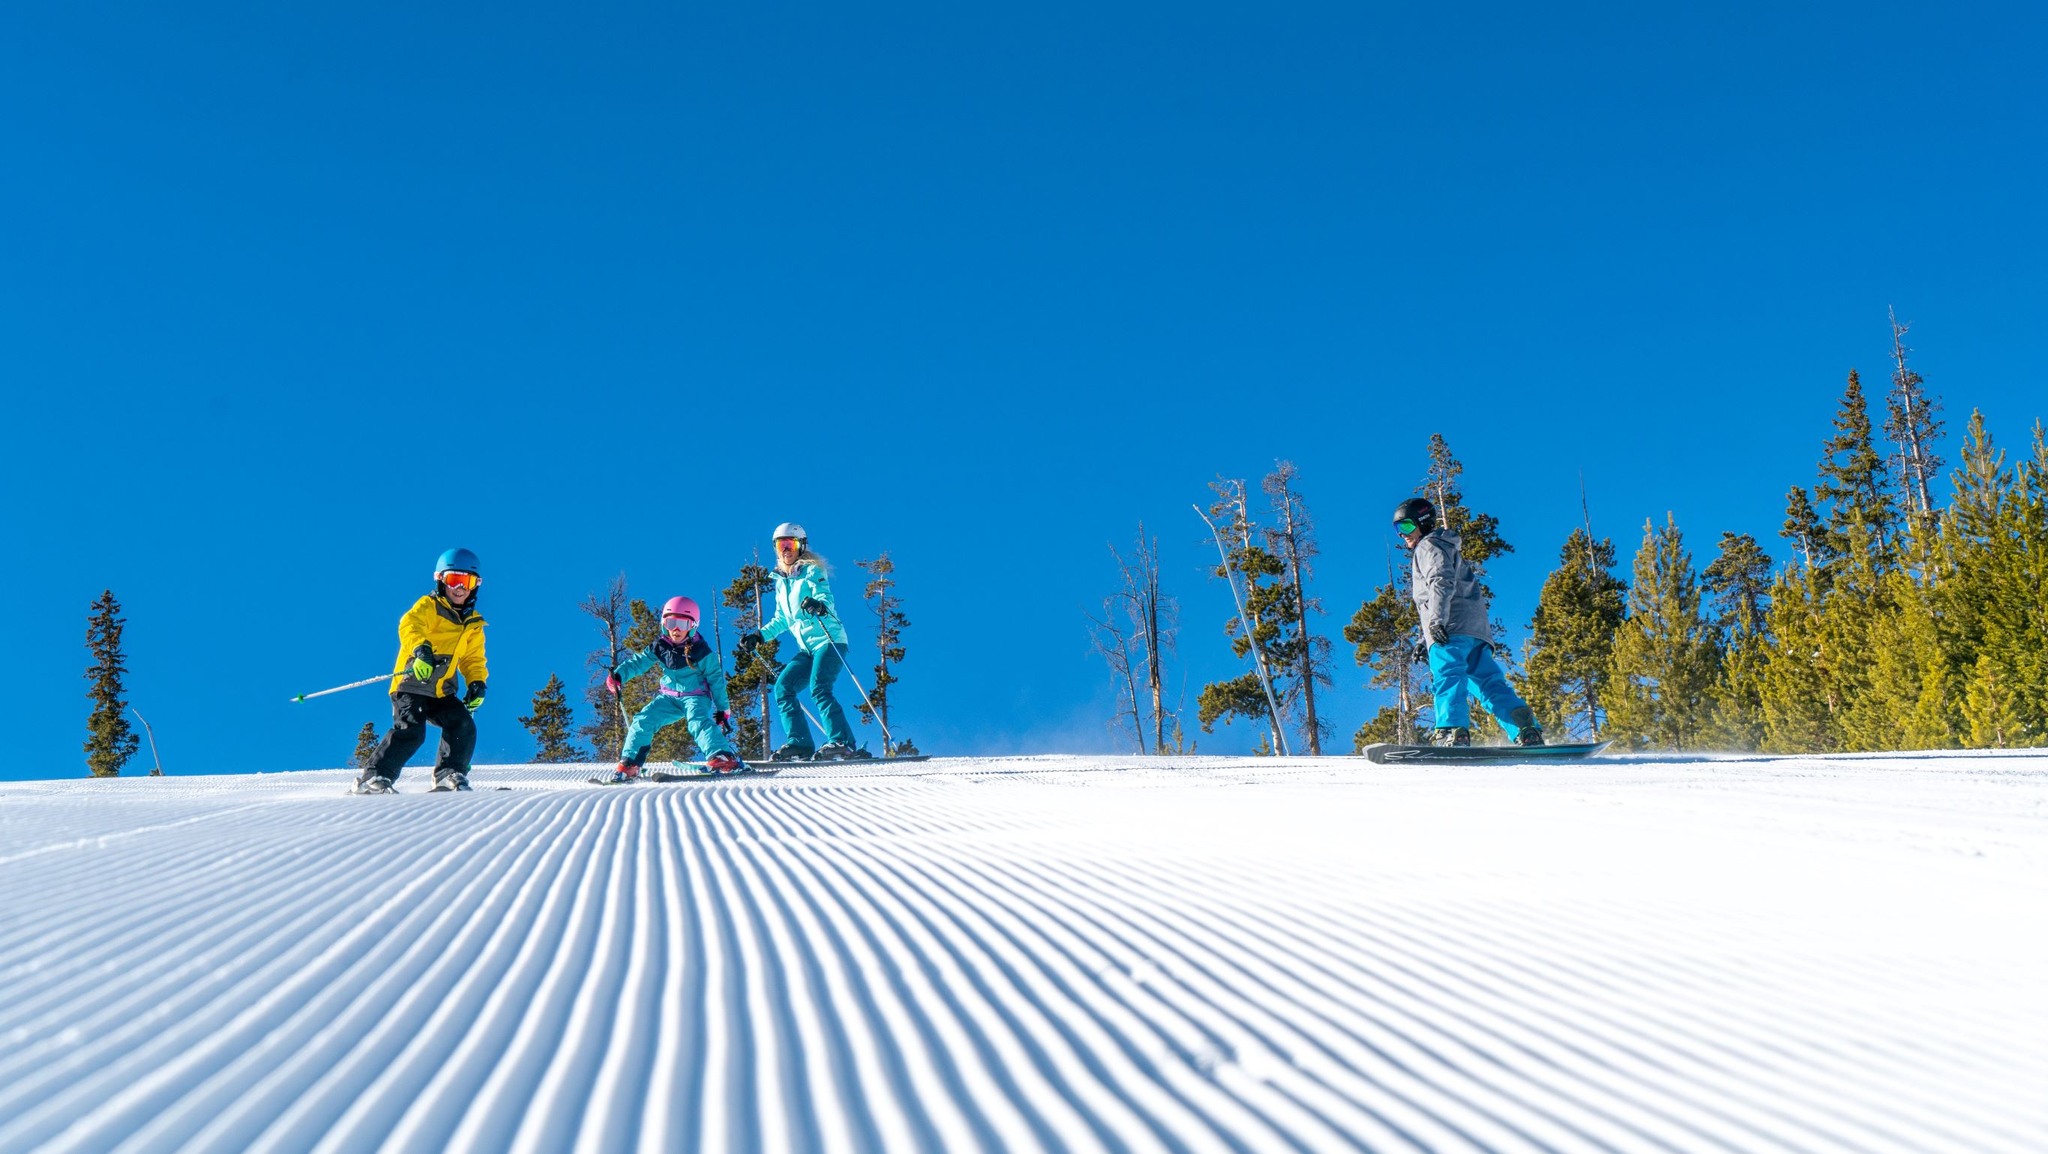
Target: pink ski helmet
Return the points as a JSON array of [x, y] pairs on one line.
[[680, 607]]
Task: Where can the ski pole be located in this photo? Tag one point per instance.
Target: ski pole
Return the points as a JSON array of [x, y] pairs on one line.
[[350, 685], [887, 741]]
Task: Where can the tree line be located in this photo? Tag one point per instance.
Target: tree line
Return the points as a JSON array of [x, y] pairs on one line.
[[1897, 622]]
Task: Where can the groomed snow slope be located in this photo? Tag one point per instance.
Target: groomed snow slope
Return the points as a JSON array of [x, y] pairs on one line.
[[1042, 953]]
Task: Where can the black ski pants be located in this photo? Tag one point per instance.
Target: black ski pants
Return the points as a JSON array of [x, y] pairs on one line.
[[411, 713]]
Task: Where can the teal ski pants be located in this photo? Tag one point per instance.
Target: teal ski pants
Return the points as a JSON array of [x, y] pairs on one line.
[[1460, 665], [665, 711], [814, 671]]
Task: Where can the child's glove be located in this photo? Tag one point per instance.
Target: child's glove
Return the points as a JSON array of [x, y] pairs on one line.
[[724, 719], [474, 695], [815, 607], [423, 663], [612, 683], [1422, 653]]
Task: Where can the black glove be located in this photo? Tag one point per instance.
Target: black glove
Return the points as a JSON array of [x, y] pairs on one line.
[[474, 695], [423, 663], [751, 642], [1421, 655], [815, 607], [724, 719]]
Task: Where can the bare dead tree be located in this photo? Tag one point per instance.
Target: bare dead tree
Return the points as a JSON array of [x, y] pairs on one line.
[[1295, 541], [1112, 640], [613, 614], [1153, 621], [1912, 426]]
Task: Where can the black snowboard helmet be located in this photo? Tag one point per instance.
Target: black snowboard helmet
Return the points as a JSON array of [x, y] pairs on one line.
[[1418, 511]]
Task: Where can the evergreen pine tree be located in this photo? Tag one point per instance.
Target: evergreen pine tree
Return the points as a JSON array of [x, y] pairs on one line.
[[1803, 528], [1854, 484], [1738, 584], [1796, 689], [748, 686], [366, 746], [880, 592], [550, 723], [1571, 641], [110, 740], [1384, 631], [1305, 656], [1666, 656]]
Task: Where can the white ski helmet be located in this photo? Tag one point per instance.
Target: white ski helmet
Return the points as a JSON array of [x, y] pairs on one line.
[[791, 529]]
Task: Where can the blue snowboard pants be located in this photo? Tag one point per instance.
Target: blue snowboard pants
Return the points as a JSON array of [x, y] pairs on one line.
[[814, 670], [665, 711], [1461, 667]]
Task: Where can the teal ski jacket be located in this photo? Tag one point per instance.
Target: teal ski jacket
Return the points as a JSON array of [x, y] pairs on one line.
[[791, 591], [687, 670]]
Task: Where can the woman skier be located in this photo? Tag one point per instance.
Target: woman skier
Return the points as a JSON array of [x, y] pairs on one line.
[[804, 609], [692, 691], [440, 636], [1455, 639]]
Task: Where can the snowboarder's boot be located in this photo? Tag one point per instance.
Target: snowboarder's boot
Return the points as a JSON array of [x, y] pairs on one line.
[[454, 781], [724, 763], [790, 751], [1451, 735], [373, 784], [1527, 732]]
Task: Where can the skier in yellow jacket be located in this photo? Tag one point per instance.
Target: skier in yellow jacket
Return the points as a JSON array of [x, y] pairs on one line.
[[441, 636]]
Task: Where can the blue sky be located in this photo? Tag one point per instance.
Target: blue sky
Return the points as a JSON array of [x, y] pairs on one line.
[[293, 299]]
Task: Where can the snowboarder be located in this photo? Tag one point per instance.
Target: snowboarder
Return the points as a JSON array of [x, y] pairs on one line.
[[1456, 643], [804, 609], [440, 636], [692, 691]]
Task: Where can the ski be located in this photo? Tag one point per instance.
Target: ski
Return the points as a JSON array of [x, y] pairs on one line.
[[1385, 754]]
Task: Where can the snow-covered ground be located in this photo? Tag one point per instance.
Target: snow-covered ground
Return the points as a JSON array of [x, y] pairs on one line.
[[1042, 953]]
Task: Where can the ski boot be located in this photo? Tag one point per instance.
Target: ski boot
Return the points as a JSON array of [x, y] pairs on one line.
[[1451, 735], [454, 781], [836, 751], [625, 774], [790, 751], [724, 763], [373, 785]]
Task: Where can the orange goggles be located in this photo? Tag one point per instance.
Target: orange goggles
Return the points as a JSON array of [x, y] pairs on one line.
[[457, 579]]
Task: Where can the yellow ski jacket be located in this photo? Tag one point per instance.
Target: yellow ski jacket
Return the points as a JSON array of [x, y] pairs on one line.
[[457, 638]]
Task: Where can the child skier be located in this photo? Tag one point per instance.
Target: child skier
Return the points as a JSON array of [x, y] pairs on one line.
[[1455, 638], [692, 691], [804, 610], [440, 636]]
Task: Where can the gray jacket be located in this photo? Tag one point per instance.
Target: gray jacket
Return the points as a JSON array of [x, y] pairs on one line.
[[1446, 590]]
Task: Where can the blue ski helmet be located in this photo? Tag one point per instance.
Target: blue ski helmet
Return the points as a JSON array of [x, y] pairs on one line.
[[461, 559]]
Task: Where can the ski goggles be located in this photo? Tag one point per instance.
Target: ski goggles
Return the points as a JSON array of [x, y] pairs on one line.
[[1405, 526], [457, 579], [669, 624]]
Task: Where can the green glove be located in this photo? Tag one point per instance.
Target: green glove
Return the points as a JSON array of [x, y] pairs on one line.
[[423, 663], [474, 695]]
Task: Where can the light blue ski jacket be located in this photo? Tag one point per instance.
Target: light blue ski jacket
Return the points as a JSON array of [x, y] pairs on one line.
[[687, 670], [791, 590]]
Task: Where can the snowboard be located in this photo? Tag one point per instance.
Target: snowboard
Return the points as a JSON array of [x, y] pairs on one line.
[[1481, 754]]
